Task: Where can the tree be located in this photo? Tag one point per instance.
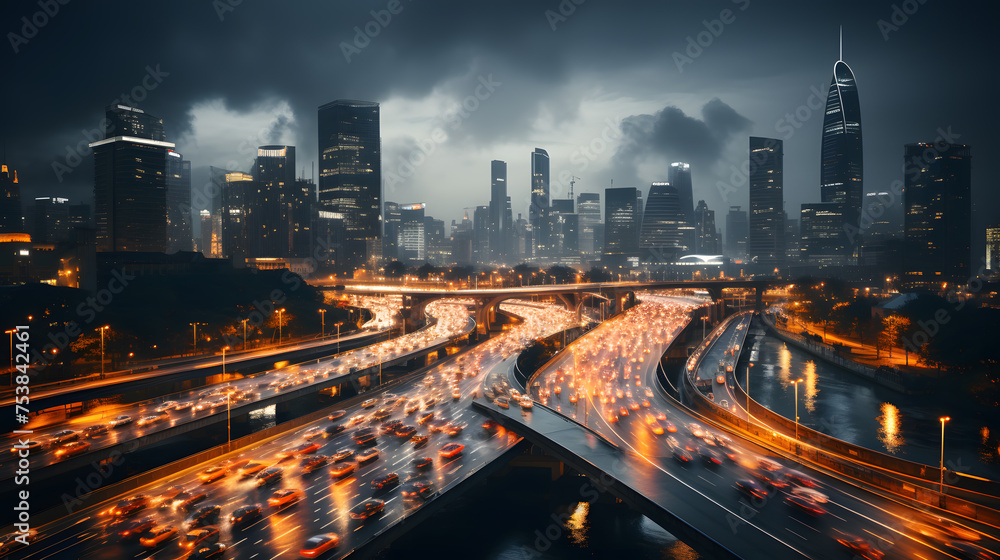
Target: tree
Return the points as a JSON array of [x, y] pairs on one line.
[[893, 326], [561, 274], [596, 274], [425, 271], [395, 269]]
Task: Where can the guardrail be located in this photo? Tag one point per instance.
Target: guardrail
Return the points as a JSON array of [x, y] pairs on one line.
[[812, 446]]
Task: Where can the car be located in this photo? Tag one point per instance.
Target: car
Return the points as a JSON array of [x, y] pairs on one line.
[[633, 405], [456, 394], [152, 419], [342, 455], [424, 418], [799, 478], [422, 489], [805, 504], [367, 509], [192, 500], [451, 450], [313, 433], [342, 471], [64, 436], [269, 476], [430, 402], [246, 515], [158, 536], [95, 431], [336, 415], [365, 439], [308, 448], [214, 550], [709, 456], [212, 474], [380, 414], [502, 402], [526, 403], [206, 515], [573, 398], [367, 455], [720, 379], [860, 548], [491, 426], [312, 463], [182, 406], [751, 489], [385, 482], [333, 430], [285, 497], [130, 506], [646, 404], [370, 403], [132, 530], [724, 404], [655, 427], [681, 455], [319, 545], [622, 411], [421, 463], [72, 449], [695, 430], [166, 406], [405, 432], [412, 406], [32, 446], [251, 469], [671, 427]]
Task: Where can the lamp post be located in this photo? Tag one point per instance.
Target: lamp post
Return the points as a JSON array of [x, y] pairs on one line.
[[11, 333], [194, 335], [795, 384], [749, 365], [338, 324], [224, 348], [280, 311], [941, 483], [322, 319], [704, 319], [102, 329], [244, 321]]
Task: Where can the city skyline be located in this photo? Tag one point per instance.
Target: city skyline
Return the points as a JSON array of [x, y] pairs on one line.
[[639, 122]]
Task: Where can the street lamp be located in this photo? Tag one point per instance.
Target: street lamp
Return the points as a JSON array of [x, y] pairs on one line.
[[795, 384], [941, 484], [338, 324], [11, 333], [704, 319], [322, 319], [244, 321], [280, 311], [224, 348], [102, 329], [749, 365], [194, 328]]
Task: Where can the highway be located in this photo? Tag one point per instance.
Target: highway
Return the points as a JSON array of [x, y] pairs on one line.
[[425, 403], [108, 427], [796, 512]]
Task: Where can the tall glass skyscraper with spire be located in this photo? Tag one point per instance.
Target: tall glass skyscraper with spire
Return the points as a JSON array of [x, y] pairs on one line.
[[842, 167]]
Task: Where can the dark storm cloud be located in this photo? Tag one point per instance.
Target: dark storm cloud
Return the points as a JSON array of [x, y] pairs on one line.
[[912, 79], [674, 136]]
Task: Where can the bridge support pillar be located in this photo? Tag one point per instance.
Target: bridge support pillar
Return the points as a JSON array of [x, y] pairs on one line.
[[758, 299]]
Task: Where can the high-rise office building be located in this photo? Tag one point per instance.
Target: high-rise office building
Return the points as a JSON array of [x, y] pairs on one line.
[[412, 236], [766, 244], [706, 237], [588, 207], [350, 176], [178, 203], [737, 230], [665, 231], [11, 217], [538, 212], [498, 208], [821, 233], [937, 215], [130, 193], [679, 177], [231, 238], [841, 163], [270, 202], [391, 220], [481, 235], [122, 120], [993, 248], [304, 243], [621, 217], [48, 220]]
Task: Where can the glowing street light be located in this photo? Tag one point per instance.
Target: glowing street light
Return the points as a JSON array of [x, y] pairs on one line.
[[280, 311], [102, 329], [941, 483], [795, 384], [244, 321], [194, 327], [338, 324], [11, 333], [322, 315], [224, 348]]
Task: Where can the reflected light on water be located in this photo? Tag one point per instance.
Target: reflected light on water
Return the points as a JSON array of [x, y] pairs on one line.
[[785, 366], [578, 525], [888, 431], [810, 386]]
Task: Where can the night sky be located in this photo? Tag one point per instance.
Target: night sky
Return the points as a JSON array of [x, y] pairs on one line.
[[596, 84]]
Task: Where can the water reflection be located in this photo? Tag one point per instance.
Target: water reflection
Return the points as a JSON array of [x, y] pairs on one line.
[[578, 525], [888, 430], [810, 386], [784, 365]]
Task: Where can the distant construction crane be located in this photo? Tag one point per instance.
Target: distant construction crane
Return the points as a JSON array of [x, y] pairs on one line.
[[572, 181]]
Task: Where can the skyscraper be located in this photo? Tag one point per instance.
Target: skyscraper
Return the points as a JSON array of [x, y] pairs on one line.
[[665, 230], [178, 203], [391, 219], [130, 193], [303, 209], [350, 175], [841, 163], [48, 221], [412, 237], [679, 177], [11, 218], [270, 202], [538, 212], [481, 234], [588, 207], [937, 215], [820, 234], [121, 120], [766, 244], [622, 216], [737, 230], [706, 238], [993, 248], [498, 208], [230, 240]]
